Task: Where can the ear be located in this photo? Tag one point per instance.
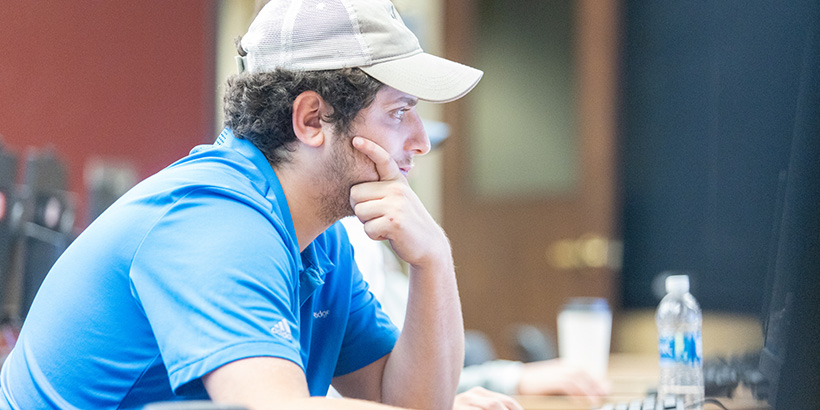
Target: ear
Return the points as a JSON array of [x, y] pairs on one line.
[[308, 109]]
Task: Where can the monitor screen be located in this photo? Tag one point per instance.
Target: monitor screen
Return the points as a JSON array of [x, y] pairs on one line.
[[790, 359]]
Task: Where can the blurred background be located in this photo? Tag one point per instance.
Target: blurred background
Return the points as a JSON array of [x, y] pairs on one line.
[[609, 144]]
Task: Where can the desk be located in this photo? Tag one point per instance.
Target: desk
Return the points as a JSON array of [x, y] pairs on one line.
[[631, 377]]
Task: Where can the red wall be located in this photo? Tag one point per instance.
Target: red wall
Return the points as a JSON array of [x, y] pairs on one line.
[[129, 80]]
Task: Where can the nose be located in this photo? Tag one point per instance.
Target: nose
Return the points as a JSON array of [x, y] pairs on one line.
[[418, 143]]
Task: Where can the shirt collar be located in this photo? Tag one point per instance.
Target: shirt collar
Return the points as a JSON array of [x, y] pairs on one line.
[[313, 263]]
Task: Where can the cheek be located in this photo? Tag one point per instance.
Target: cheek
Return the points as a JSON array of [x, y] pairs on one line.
[[387, 135], [359, 167], [367, 170]]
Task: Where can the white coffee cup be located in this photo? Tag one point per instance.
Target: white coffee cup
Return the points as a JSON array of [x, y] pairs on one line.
[[584, 332]]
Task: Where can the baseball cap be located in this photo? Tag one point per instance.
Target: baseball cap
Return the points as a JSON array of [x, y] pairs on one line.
[[312, 35]]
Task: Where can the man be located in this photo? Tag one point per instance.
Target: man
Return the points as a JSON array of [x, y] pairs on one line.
[[225, 276]]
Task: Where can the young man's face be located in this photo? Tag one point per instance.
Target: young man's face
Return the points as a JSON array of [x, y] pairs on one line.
[[392, 122]]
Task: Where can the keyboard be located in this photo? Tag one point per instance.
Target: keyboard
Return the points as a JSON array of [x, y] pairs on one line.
[[723, 374], [649, 402]]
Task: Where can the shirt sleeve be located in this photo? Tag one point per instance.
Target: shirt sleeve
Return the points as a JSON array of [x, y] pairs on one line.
[[216, 281]]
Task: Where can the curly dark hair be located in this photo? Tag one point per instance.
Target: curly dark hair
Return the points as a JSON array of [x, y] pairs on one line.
[[259, 106]]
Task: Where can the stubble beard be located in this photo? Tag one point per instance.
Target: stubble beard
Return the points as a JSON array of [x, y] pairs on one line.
[[345, 169]]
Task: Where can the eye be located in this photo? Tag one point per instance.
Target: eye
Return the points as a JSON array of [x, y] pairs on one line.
[[399, 114]]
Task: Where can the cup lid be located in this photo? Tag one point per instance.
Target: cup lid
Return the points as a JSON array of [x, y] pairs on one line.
[[587, 304]]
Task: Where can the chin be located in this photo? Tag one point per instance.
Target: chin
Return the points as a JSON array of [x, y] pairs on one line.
[[348, 212]]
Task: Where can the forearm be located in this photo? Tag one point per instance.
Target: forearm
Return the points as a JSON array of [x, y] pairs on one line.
[[260, 383], [424, 367], [308, 403], [422, 370], [325, 403]]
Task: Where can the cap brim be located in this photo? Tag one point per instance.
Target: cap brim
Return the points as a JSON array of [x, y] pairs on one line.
[[427, 77]]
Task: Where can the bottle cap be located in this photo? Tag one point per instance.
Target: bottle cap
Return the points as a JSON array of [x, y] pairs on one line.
[[677, 284]]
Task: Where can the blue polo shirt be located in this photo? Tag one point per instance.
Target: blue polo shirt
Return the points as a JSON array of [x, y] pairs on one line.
[[193, 268]]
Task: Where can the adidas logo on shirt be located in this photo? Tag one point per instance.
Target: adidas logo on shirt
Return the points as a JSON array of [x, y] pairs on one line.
[[282, 329]]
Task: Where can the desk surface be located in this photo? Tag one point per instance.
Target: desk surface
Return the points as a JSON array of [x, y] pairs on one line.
[[631, 377]]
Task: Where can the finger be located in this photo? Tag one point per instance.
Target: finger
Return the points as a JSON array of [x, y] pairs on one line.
[[379, 228], [385, 165], [581, 388], [592, 385], [495, 402], [510, 403], [598, 386], [479, 402], [369, 210], [605, 387], [368, 191], [488, 399]]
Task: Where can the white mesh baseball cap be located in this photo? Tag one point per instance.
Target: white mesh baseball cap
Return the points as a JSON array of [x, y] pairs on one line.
[[311, 35]]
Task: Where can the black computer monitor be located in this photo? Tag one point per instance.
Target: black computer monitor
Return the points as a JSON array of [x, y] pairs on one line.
[[790, 358]]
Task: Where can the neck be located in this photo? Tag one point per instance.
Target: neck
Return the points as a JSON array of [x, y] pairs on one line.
[[303, 196]]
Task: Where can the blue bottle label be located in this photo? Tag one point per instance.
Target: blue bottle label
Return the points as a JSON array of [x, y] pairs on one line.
[[681, 347]]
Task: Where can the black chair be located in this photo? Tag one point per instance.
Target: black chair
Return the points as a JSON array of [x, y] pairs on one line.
[[9, 222], [532, 344], [49, 211], [477, 348]]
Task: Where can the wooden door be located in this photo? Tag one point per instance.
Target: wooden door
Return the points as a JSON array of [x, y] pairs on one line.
[[530, 167]]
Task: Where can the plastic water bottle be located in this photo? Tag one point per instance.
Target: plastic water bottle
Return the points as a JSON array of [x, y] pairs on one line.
[[679, 343]]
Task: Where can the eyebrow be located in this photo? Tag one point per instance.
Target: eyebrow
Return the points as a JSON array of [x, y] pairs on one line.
[[411, 101]]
